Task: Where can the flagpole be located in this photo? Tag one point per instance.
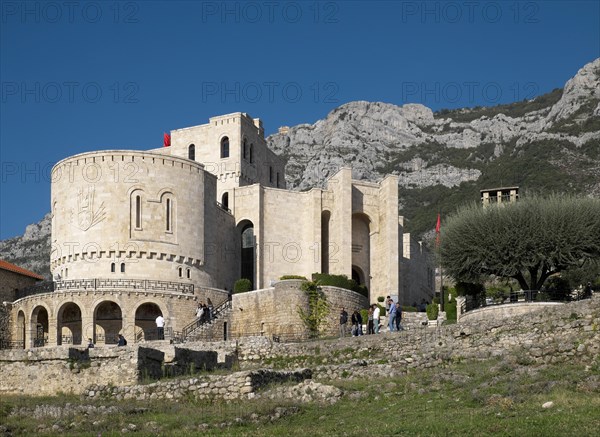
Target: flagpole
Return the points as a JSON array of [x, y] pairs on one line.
[[442, 299]]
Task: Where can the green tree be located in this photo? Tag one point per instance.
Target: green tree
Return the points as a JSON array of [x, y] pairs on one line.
[[528, 240]]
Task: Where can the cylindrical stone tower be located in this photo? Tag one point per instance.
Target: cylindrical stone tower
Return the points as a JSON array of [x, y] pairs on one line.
[[128, 215]]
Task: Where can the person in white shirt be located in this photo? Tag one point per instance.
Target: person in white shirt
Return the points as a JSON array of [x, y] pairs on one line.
[[376, 312], [160, 325]]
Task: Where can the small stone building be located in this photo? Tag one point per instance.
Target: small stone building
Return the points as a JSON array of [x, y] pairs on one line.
[[12, 279]]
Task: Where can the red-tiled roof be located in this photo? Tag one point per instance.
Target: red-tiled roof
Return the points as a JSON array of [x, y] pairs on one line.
[[20, 270]]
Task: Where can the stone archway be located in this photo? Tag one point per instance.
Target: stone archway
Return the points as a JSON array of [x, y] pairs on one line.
[[361, 248], [358, 275], [145, 321], [248, 251], [68, 324], [108, 322], [39, 326]]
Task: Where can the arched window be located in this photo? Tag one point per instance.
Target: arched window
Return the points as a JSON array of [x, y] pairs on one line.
[[225, 200], [66, 272], [112, 267], [122, 267], [251, 153], [277, 179], [189, 274], [138, 212], [244, 149], [270, 174], [225, 147], [168, 213], [180, 271], [192, 152]]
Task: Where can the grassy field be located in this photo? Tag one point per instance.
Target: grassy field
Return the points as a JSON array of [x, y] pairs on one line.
[[493, 397]]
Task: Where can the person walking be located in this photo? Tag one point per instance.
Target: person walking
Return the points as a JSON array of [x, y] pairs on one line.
[[343, 321]]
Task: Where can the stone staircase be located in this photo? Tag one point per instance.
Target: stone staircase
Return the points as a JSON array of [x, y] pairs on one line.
[[210, 330]]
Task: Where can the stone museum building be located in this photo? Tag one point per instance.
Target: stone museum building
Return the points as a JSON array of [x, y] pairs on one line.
[[137, 234]]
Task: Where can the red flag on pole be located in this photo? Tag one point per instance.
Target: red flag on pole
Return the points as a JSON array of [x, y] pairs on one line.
[[437, 230], [166, 140]]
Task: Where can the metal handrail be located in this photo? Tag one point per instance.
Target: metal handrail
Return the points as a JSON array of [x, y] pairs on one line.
[[200, 321], [18, 344], [472, 303]]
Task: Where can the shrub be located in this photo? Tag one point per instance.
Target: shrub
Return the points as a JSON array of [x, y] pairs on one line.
[[432, 311], [381, 310], [469, 289], [242, 285], [557, 287], [496, 293], [380, 299], [450, 308], [284, 277], [365, 316], [409, 309], [340, 281]]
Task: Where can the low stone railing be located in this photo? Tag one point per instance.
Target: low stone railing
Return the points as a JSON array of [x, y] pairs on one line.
[[106, 284]]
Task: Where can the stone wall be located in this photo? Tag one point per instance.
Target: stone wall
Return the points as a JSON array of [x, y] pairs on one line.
[[235, 386], [557, 334], [10, 282], [47, 371], [4, 324], [504, 311], [274, 311], [568, 332]]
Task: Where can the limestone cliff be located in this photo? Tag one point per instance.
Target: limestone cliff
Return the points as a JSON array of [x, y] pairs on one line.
[[445, 158], [32, 249]]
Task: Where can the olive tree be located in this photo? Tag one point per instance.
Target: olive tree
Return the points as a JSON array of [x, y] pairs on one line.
[[527, 240]]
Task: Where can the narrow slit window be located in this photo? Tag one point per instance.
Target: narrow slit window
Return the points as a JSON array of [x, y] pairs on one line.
[[122, 267], [112, 267], [138, 212], [168, 215]]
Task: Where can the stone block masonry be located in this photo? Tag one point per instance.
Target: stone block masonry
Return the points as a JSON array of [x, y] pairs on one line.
[[48, 371], [238, 385]]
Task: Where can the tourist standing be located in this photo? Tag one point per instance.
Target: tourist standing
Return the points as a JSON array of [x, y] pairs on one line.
[[391, 315], [370, 321], [376, 313], [160, 327], [356, 323], [211, 308], [399, 317], [343, 321]]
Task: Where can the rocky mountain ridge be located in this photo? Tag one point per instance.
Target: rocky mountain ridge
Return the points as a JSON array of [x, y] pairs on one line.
[[442, 159], [454, 149]]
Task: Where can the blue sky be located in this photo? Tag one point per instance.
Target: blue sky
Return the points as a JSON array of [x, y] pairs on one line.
[[80, 76]]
